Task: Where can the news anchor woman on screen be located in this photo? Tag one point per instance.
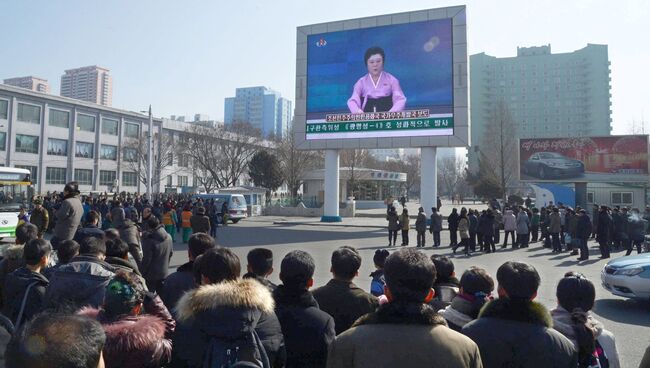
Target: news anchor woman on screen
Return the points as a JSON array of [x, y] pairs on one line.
[[377, 91]]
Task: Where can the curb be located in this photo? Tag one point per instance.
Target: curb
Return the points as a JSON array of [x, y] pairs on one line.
[[336, 224]]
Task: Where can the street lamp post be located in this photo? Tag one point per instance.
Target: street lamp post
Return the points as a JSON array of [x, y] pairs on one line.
[[150, 157]]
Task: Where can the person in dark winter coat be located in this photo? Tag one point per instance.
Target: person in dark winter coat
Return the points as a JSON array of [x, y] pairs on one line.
[[341, 298], [476, 287], [157, 251], [82, 282], [117, 255], [308, 331], [515, 331], [378, 281], [24, 289], [226, 313], [68, 249], [436, 226], [68, 216], [128, 232], [91, 229], [138, 327], [446, 284], [421, 227], [200, 222], [452, 221], [260, 267], [473, 229], [393, 225], [602, 231], [404, 332], [583, 231], [176, 284], [487, 230]]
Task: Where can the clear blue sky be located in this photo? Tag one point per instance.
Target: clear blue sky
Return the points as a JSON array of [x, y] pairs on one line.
[[184, 57]]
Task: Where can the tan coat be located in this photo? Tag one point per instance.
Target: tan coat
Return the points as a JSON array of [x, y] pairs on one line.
[[396, 336]]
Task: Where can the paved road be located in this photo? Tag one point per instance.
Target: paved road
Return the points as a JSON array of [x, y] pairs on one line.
[[629, 321]]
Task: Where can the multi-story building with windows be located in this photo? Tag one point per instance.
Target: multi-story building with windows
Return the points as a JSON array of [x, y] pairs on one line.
[[62, 139], [89, 83], [262, 107], [547, 95], [31, 83]]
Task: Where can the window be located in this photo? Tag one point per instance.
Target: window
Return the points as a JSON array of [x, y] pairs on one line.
[[26, 143], [57, 147], [169, 180], [33, 170], [109, 126], [85, 150], [129, 179], [130, 154], [107, 177], [183, 160], [83, 176], [3, 141], [86, 122], [107, 152], [29, 113], [182, 181], [131, 130], [59, 118], [55, 175], [590, 197], [622, 198], [4, 106]]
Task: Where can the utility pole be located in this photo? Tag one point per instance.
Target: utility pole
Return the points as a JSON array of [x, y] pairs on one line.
[[150, 158], [503, 169]]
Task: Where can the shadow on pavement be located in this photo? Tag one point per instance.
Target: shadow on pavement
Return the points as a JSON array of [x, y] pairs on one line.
[[626, 311]]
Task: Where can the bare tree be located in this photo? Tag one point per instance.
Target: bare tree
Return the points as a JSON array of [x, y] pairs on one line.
[[295, 163], [411, 166], [203, 178], [451, 175], [353, 159], [498, 147], [135, 156], [221, 154]]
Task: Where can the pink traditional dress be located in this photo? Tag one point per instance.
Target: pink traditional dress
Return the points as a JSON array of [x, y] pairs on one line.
[[384, 96]]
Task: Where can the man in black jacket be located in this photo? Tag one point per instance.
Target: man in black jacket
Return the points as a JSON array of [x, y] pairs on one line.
[[91, 229], [82, 282], [25, 287], [308, 331], [341, 298], [176, 284], [515, 331], [452, 222], [117, 255], [602, 231], [260, 266], [157, 247]]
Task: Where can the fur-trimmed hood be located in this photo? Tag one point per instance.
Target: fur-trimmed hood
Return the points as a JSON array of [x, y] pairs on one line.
[[403, 314], [13, 252], [525, 311], [239, 294], [133, 341]]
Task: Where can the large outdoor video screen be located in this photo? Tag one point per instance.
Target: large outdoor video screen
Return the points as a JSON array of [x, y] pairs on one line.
[[386, 81], [612, 159]]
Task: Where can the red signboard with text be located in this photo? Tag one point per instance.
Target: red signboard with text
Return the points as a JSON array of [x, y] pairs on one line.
[[612, 159]]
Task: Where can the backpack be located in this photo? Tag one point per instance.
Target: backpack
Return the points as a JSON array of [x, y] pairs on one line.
[[245, 350]]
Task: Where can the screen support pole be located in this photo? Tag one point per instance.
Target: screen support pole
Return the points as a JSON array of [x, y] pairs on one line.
[[331, 206], [581, 194], [428, 178]]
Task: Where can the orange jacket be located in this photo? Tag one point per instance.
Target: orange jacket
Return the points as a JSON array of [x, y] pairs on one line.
[[185, 219]]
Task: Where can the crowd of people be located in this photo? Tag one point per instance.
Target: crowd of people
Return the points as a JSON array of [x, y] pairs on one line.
[[91, 297], [560, 227]]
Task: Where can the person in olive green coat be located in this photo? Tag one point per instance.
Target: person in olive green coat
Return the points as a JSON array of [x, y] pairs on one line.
[[404, 226]]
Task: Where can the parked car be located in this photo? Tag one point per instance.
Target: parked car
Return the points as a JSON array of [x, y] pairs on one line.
[[628, 277], [237, 209], [551, 165]]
